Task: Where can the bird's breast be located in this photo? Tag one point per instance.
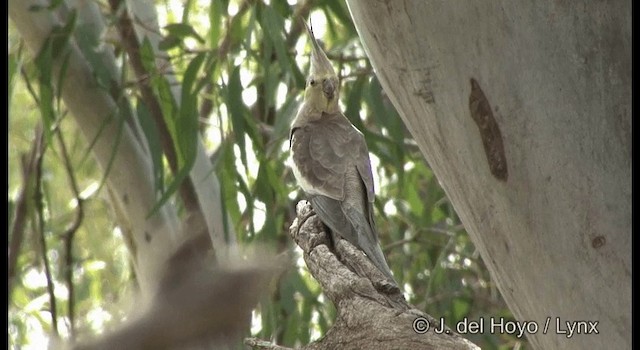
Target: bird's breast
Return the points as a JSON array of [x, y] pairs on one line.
[[303, 182]]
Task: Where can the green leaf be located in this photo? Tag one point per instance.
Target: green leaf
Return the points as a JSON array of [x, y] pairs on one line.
[[270, 82], [187, 123], [237, 110], [182, 30], [171, 189], [169, 42], [306, 315], [268, 312], [282, 7], [227, 174], [147, 56], [15, 64], [273, 26], [60, 35], [215, 22], [155, 147], [292, 328], [61, 77], [44, 62], [52, 6], [185, 126], [161, 87], [284, 117], [460, 308], [353, 103]]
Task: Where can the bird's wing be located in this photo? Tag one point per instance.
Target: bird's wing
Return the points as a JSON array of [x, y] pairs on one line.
[[350, 221], [322, 151], [331, 213], [367, 237], [363, 164]]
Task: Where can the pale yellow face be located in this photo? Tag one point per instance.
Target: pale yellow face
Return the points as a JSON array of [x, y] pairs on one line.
[[322, 93]]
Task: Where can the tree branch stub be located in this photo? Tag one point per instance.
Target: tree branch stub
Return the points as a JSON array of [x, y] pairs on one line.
[[371, 312]]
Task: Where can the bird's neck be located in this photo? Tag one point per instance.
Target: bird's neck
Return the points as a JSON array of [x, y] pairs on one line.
[[309, 113]]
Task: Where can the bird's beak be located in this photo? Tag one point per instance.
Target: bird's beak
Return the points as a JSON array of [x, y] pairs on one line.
[[329, 89]]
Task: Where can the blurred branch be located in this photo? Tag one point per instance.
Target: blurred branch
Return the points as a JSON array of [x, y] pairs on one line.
[[196, 304], [70, 232], [420, 234], [27, 81], [488, 302], [438, 265], [256, 343], [29, 165], [132, 47], [162, 70], [38, 197]]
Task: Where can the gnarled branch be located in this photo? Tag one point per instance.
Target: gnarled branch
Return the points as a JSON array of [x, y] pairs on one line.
[[372, 313]]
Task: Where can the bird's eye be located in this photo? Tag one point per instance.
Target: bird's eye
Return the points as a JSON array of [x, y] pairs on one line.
[[312, 82]]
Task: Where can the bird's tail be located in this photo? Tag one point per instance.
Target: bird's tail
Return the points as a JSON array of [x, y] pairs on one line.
[[374, 252], [352, 225]]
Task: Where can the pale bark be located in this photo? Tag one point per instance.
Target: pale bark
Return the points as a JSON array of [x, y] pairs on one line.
[[554, 226]]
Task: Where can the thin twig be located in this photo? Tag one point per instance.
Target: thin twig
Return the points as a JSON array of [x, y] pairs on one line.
[[416, 237], [40, 214], [360, 72], [343, 58], [27, 81], [70, 232], [443, 253], [256, 343], [21, 210]]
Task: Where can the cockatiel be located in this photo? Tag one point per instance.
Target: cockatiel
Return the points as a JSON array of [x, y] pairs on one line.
[[331, 162]]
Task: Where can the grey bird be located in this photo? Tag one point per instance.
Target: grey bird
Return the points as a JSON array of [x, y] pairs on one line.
[[331, 162]]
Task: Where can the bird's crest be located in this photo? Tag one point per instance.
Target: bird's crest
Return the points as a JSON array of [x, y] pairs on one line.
[[320, 65]]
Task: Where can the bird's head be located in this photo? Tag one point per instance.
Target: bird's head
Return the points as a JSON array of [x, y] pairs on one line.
[[322, 87]]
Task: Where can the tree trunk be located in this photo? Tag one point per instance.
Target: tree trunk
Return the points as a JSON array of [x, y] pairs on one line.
[[523, 111]]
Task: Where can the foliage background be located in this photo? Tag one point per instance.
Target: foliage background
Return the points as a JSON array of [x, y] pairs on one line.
[[248, 88]]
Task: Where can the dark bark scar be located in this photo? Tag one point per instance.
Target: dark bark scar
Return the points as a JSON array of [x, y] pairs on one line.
[[489, 131]]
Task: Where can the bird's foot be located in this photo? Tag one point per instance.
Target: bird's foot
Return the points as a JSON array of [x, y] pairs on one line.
[[303, 218]]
